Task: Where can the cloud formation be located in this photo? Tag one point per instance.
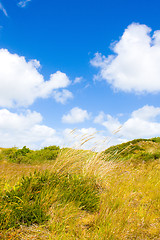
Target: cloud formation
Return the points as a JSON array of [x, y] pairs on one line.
[[143, 123], [135, 64], [76, 115], [21, 83], [62, 96], [27, 129], [86, 138], [112, 124], [78, 80], [3, 10], [23, 3]]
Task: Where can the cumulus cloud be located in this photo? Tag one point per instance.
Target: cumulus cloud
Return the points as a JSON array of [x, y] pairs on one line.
[[21, 83], [25, 129], [62, 96], [135, 64], [143, 123], [86, 138], [112, 124], [76, 115], [3, 10], [23, 3], [28, 129]]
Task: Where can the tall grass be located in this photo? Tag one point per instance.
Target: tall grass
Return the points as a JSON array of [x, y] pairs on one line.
[[82, 195]]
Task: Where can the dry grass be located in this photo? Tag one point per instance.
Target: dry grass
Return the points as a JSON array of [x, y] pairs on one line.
[[129, 199]]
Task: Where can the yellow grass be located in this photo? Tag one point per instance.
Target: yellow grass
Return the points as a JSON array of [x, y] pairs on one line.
[[129, 199]]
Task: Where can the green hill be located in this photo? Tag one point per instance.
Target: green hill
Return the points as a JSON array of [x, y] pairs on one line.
[[56, 193], [135, 150]]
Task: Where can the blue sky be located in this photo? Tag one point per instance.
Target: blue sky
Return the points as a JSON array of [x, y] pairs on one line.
[[89, 65]]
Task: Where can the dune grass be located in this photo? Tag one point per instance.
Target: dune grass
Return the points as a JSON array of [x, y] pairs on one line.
[[83, 195]]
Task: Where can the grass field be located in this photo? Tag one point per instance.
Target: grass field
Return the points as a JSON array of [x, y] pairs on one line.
[[74, 194]]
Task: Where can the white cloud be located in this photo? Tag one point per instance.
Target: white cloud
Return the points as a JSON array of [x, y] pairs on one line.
[[3, 10], [76, 115], [112, 124], [58, 80], [100, 118], [25, 129], [86, 138], [78, 80], [146, 113], [143, 123], [23, 3], [62, 96], [21, 83], [135, 64]]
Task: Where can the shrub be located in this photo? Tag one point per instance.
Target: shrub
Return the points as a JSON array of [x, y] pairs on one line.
[[156, 139], [49, 153], [148, 156], [83, 191], [28, 202], [25, 155]]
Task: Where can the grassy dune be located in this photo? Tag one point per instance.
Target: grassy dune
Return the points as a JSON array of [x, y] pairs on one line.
[[74, 194]]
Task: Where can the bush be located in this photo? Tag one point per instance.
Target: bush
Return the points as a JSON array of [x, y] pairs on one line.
[[156, 139], [83, 191], [25, 155], [28, 202], [49, 153], [22, 205], [148, 156]]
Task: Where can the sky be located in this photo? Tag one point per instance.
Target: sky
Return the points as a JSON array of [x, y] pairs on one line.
[[77, 70]]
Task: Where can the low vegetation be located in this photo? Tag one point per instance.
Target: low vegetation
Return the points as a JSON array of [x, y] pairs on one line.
[[135, 150], [25, 155], [68, 194]]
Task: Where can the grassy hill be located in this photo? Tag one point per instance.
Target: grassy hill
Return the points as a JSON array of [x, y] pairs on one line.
[[66, 194]]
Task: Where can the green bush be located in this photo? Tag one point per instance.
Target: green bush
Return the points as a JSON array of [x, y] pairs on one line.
[[156, 139], [144, 156], [83, 191], [28, 202], [8, 153], [49, 153], [25, 155], [22, 205]]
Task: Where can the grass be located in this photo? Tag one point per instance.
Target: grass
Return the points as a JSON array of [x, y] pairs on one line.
[[135, 150], [82, 194], [25, 155]]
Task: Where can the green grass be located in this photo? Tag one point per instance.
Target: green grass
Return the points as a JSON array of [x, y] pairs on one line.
[[135, 150], [25, 155], [81, 194], [28, 201]]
